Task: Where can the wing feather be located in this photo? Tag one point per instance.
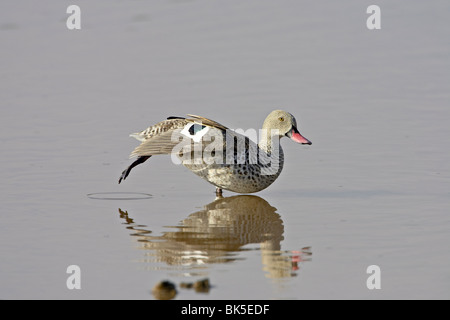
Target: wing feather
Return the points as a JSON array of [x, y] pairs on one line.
[[164, 136]]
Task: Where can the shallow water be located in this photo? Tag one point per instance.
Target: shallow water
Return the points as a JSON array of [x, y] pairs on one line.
[[373, 189]]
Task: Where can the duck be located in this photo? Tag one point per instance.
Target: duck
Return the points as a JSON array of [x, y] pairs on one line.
[[226, 158]]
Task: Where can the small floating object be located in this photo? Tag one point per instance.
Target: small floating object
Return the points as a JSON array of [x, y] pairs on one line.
[[119, 196], [202, 286], [164, 290], [199, 286]]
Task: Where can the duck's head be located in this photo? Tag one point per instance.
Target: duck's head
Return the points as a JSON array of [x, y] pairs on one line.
[[286, 125]]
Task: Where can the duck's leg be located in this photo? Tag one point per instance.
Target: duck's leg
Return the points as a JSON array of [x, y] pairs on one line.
[[218, 192], [127, 171]]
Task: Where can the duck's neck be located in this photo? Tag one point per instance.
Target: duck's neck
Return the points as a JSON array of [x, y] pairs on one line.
[[269, 140]]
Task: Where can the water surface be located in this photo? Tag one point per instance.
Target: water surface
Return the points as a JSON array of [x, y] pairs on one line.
[[373, 188]]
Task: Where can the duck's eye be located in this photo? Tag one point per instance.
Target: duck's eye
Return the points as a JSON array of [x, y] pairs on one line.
[[281, 118]]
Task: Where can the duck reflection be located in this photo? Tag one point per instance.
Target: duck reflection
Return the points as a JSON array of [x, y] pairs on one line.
[[218, 232]]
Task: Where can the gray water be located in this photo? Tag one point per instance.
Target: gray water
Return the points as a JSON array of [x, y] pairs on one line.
[[372, 189]]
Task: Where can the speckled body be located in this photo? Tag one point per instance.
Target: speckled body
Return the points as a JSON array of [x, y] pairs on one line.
[[246, 174]]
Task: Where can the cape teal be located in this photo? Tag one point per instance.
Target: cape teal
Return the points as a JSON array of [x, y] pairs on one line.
[[225, 158]]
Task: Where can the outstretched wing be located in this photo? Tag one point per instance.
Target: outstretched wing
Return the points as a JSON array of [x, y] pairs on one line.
[[163, 137], [158, 139]]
